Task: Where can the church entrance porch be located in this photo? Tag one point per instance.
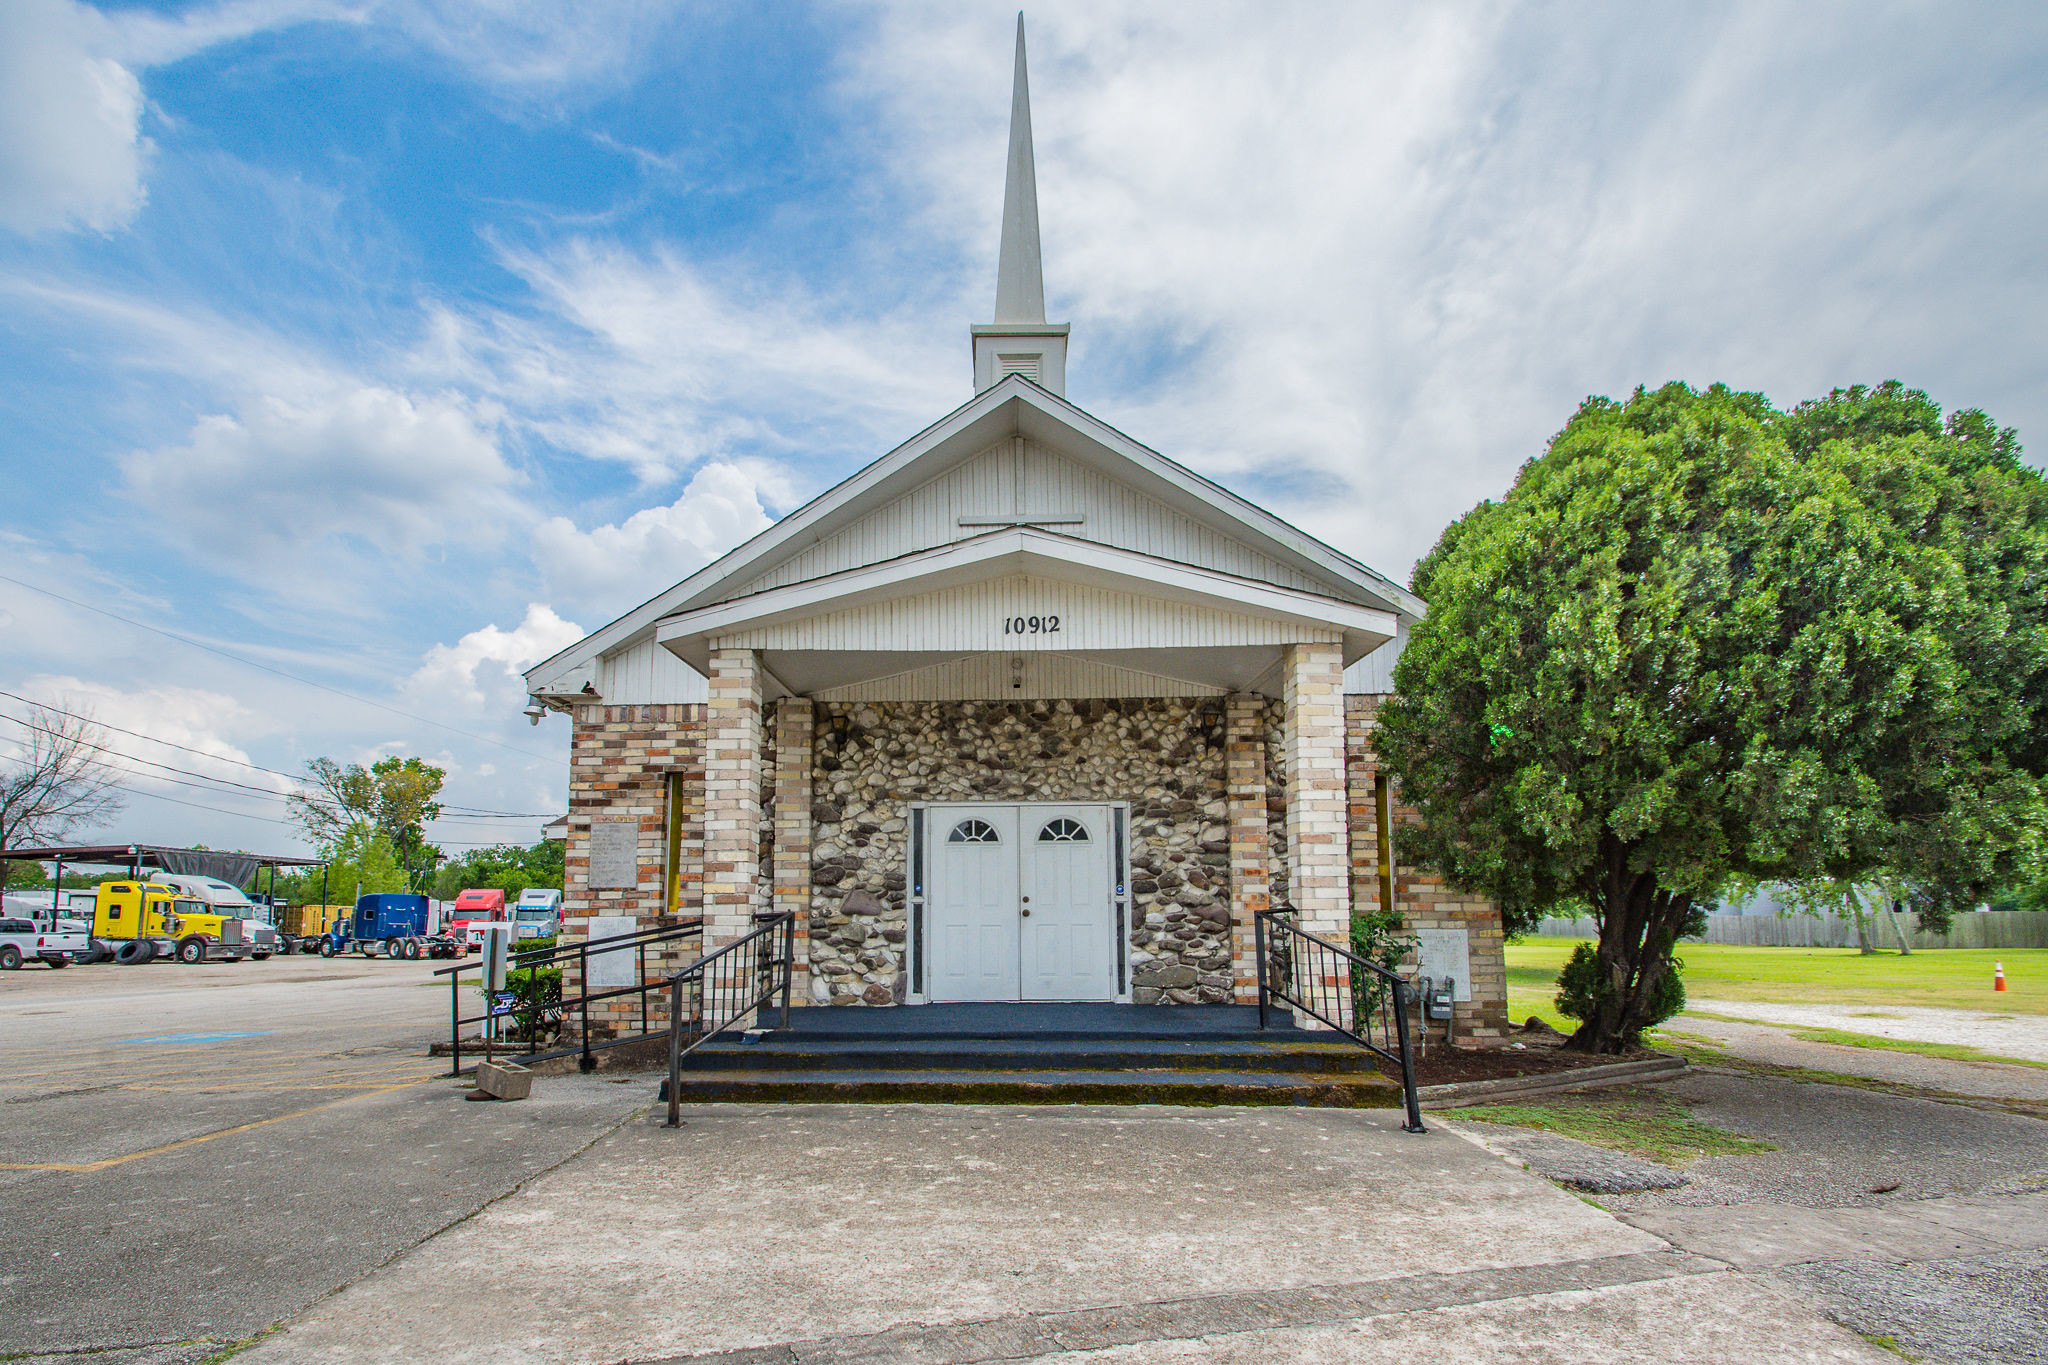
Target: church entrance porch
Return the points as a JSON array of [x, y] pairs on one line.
[[1018, 902], [1039, 1053]]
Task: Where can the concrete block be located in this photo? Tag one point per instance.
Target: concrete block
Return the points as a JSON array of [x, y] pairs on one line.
[[504, 1080]]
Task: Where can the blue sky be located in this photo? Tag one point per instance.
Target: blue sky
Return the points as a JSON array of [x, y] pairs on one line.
[[391, 344]]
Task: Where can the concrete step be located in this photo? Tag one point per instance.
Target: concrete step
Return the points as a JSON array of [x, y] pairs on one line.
[[1091, 1022], [785, 1052], [1047, 1086]]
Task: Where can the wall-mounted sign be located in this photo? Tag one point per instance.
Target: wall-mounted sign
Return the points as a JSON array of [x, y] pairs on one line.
[[613, 967], [614, 854], [1030, 625]]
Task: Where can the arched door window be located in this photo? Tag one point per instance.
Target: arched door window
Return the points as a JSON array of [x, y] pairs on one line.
[[974, 832], [1063, 831]]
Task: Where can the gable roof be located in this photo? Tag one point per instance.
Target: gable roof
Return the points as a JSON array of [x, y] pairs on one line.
[[1014, 406]]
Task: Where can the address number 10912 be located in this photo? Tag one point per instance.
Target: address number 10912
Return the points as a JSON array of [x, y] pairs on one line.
[[1030, 625]]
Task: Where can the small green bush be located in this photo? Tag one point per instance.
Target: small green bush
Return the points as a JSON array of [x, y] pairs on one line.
[[1376, 936], [1581, 987]]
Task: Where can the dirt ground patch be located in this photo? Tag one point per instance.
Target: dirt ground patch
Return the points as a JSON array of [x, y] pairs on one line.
[[1530, 1054]]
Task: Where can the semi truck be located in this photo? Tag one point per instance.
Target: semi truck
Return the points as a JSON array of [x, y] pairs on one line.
[[389, 924], [537, 914], [141, 921], [228, 901], [477, 910]]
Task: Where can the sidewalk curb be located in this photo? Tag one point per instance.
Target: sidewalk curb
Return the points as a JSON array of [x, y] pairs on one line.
[[1585, 1078]]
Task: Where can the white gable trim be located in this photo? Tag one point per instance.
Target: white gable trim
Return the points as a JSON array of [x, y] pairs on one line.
[[1021, 551], [1014, 405]]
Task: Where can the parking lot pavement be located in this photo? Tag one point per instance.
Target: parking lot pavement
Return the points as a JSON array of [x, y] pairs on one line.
[[189, 1153], [1896, 1215], [957, 1233]]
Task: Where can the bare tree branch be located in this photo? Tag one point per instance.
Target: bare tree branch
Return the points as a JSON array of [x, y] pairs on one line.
[[59, 782]]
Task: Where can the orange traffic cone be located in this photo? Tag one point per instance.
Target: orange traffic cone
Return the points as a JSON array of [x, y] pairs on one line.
[[1998, 976]]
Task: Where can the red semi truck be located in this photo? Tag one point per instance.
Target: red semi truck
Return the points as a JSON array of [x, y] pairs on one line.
[[474, 912]]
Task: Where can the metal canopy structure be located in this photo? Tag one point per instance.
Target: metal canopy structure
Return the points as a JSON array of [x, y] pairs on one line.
[[234, 868], [163, 857]]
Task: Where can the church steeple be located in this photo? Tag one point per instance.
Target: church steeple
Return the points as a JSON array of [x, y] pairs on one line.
[[1020, 270], [1020, 341]]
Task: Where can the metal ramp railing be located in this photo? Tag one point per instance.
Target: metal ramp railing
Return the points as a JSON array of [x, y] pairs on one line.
[[1328, 982]]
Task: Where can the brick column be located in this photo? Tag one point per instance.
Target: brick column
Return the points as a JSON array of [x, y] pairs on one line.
[[793, 722], [1244, 765], [1312, 749], [732, 796]]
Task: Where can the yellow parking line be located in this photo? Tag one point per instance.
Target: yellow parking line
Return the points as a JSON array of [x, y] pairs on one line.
[[86, 1167]]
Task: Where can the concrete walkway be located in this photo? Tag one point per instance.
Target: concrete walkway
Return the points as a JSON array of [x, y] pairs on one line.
[[1989, 1029], [977, 1233]]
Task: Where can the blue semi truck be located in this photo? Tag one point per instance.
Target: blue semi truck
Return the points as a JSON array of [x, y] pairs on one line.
[[391, 924]]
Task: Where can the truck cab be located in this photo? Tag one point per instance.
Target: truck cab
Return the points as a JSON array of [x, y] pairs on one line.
[[476, 910], [227, 901], [150, 919], [537, 914]]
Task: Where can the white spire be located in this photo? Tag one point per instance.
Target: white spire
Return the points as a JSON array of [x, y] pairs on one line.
[[1020, 341], [1020, 272]]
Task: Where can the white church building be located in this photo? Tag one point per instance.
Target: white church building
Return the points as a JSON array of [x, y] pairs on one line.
[[1022, 711]]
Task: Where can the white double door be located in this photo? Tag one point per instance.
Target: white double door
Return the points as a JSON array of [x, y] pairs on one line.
[[1019, 902]]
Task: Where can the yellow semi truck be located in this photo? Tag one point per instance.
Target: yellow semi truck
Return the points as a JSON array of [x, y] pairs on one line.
[[136, 922]]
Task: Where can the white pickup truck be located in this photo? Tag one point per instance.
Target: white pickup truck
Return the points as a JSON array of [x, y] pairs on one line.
[[59, 944]]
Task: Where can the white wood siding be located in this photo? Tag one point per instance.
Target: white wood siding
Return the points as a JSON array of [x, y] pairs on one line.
[[1375, 672], [972, 617], [648, 675], [1018, 477], [1044, 677]]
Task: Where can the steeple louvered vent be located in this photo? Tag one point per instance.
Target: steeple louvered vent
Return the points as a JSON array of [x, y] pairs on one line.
[[1027, 364]]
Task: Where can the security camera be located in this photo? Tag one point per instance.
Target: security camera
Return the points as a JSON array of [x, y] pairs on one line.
[[534, 710]]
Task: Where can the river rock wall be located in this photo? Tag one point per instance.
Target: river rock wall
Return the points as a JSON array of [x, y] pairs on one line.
[[872, 760]]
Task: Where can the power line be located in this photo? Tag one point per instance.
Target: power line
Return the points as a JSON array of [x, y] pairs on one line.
[[453, 812], [251, 663], [104, 725], [196, 805]]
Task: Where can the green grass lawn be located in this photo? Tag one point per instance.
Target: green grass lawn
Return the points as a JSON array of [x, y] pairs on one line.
[[1953, 978], [1626, 1119]]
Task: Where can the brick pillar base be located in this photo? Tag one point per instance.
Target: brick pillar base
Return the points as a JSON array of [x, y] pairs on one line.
[[1318, 834], [1244, 763], [732, 796], [793, 721]]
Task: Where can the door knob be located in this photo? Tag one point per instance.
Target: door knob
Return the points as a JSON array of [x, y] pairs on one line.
[[1027, 914]]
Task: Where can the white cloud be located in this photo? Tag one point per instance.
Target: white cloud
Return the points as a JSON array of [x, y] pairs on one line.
[[1360, 261], [71, 145], [612, 567], [187, 719], [658, 361], [449, 672], [72, 150], [365, 466], [536, 46]]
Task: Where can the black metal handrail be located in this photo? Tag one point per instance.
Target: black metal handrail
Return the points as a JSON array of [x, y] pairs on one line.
[[534, 1010], [1355, 996], [723, 988]]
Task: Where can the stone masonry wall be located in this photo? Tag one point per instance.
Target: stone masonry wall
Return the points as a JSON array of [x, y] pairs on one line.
[[1425, 901], [871, 760]]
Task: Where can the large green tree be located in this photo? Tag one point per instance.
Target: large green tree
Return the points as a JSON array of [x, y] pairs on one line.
[[1701, 639], [352, 808], [506, 867]]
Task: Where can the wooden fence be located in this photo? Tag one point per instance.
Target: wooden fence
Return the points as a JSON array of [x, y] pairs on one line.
[[1989, 929]]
